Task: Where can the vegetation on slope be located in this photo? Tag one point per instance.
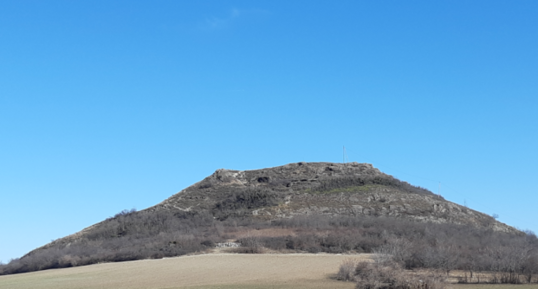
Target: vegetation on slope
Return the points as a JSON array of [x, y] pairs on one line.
[[225, 205], [416, 245], [337, 184], [240, 204]]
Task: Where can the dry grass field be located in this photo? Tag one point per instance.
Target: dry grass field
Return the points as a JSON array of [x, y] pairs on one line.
[[198, 271], [494, 286], [212, 271]]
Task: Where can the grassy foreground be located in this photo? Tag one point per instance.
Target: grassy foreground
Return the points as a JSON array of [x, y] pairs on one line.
[[211, 271], [494, 286], [199, 271]]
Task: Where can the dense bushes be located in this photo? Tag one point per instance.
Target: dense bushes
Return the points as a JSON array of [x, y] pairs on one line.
[[126, 236], [240, 204], [388, 274], [505, 258], [443, 247]]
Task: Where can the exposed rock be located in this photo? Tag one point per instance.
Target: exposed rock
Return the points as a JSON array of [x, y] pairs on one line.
[[296, 189], [313, 188]]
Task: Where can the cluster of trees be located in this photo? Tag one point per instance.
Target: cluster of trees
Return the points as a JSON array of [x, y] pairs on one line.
[[513, 258], [139, 235], [514, 264], [385, 273], [131, 235], [127, 236]]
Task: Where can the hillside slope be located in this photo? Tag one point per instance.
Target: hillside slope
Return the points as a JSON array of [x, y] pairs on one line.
[[333, 189], [310, 207]]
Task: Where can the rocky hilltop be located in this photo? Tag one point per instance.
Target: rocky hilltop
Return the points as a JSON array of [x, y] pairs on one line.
[[335, 189]]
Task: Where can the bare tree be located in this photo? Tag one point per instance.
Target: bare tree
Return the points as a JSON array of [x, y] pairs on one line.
[[509, 260], [397, 249]]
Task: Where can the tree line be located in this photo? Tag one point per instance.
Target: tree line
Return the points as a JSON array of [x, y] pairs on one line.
[[131, 235]]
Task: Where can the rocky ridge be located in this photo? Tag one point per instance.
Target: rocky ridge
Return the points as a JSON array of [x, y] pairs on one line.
[[351, 189]]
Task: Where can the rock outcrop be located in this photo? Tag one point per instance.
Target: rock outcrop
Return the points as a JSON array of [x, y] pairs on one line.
[[351, 189]]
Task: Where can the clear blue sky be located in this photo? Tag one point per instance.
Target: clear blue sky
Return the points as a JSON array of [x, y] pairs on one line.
[[112, 105]]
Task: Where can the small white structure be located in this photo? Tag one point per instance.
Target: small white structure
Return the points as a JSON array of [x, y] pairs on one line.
[[228, 245]]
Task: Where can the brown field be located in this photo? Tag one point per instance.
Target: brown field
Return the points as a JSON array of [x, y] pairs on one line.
[[494, 286], [198, 271], [262, 271]]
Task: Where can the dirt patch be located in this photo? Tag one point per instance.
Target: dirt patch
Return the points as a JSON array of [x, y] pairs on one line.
[[269, 232]]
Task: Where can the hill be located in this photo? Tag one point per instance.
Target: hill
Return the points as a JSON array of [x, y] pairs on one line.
[[299, 207]]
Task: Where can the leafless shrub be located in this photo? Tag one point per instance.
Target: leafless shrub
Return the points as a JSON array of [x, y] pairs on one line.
[[140, 235], [249, 245], [530, 267], [69, 261], [390, 275], [396, 249], [346, 272], [505, 278]]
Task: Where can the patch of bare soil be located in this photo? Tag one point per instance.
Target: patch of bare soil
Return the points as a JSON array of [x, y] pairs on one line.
[[269, 232]]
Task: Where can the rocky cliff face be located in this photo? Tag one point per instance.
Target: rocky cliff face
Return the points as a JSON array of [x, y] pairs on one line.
[[350, 189]]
